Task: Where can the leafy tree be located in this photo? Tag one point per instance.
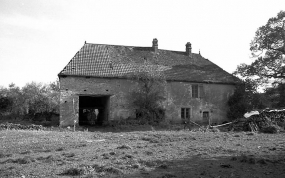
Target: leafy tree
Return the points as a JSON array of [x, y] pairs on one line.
[[276, 95], [31, 100], [244, 99], [41, 98], [149, 95], [268, 48], [6, 102], [54, 96], [18, 108]]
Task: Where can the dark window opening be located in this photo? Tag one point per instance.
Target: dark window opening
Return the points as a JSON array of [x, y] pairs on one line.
[[138, 114], [185, 114], [93, 110], [206, 117], [195, 91]]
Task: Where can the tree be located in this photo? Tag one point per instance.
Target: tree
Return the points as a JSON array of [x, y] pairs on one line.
[[33, 100], [6, 102], [41, 98], [149, 95], [268, 49], [276, 95], [18, 108], [54, 96], [244, 99]]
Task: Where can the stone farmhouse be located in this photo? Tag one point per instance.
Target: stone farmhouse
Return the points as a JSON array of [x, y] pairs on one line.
[[95, 85]]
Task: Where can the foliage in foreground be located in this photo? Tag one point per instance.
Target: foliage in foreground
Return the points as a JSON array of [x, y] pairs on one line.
[[267, 70], [31, 100], [268, 47], [244, 99], [148, 97]]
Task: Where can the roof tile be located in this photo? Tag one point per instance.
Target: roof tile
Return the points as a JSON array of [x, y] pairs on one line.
[[100, 60]]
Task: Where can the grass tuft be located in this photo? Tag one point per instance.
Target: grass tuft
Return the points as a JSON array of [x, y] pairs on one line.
[[124, 147]]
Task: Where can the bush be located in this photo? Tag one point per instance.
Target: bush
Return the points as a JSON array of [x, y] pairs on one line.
[[148, 97], [271, 129], [245, 98]]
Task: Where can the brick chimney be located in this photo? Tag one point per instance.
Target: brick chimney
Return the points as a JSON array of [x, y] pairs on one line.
[[155, 45], [188, 49]]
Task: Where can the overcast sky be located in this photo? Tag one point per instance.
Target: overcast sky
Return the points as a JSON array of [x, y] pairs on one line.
[[39, 37]]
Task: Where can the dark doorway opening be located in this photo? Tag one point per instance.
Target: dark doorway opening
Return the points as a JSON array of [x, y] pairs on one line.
[[93, 110]]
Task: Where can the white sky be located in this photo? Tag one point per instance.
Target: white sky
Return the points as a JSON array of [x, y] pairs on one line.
[[39, 37]]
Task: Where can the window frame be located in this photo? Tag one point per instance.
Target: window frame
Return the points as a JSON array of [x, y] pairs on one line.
[[185, 113], [195, 91]]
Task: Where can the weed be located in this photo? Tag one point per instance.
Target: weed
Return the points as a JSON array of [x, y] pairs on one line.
[[149, 153], [136, 166], [25, 160], [46, 151], [105, 156], [127, 156], [112, 153], [168, 175], [148, 163], [270, 129], [250, 133], [226, 166], [124, 147], [59, 149], [112, 170], [261, 161], [68, 155], [26, 152], [243, 159], [108, 169], [81, 145], [234, 158], [2, 155], [151, 140], [73, 172], [251, 161], [163, 166]]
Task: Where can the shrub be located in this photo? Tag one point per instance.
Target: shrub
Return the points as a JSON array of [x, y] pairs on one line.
[[73, 171], [271, 129], [148, 97]]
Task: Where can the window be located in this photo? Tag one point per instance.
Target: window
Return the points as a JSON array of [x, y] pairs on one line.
[[197, 91], [194, 91], [206, 117], [185, 113]]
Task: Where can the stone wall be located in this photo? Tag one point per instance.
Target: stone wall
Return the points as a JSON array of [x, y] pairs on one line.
[[178, 95], [214, 101]]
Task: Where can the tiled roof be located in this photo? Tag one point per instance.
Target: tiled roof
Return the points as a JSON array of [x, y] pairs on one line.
[[99, 60]]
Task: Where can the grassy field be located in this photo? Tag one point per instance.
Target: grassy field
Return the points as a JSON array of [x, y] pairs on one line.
[[151, 154]]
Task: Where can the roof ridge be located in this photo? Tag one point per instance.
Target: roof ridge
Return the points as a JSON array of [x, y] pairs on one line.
[[138, 47]]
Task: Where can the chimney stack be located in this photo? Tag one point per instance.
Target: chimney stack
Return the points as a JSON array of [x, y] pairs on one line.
[[155, 45], [188, 49]]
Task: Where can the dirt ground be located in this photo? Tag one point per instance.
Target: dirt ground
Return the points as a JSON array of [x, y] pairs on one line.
[[150, 154]]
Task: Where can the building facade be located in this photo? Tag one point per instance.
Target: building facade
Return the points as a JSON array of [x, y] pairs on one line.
[[95, 84]]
